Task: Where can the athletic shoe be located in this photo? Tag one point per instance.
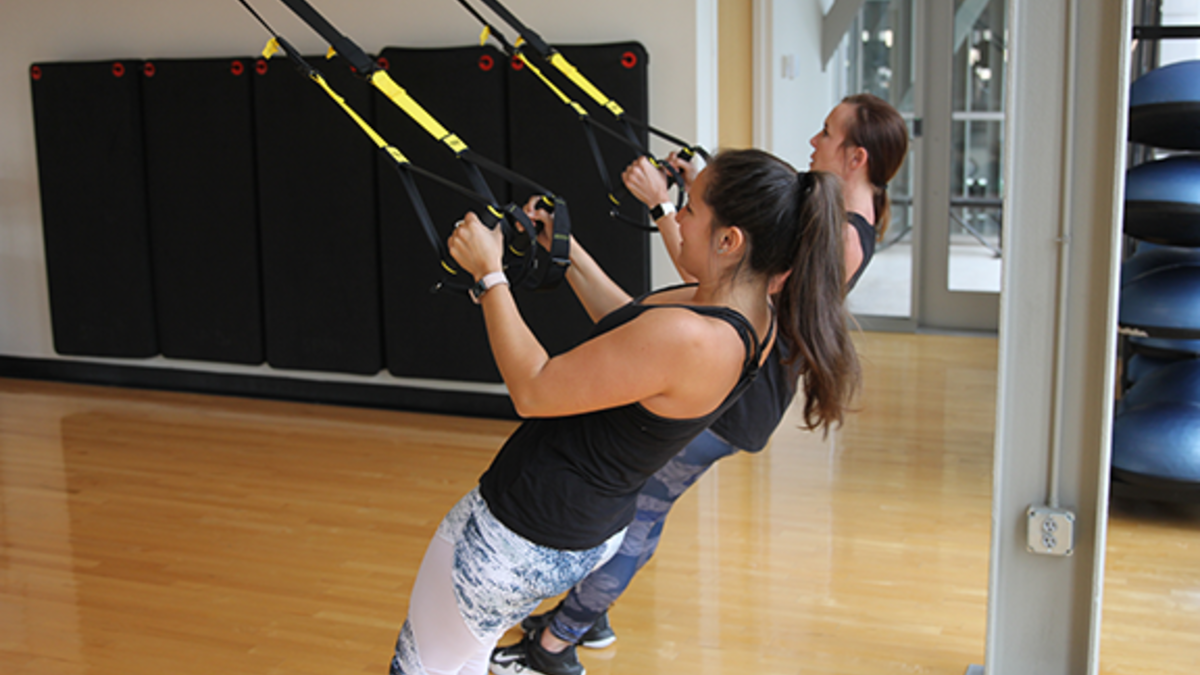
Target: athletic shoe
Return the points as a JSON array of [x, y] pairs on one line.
[[527, 657], [599, 636]]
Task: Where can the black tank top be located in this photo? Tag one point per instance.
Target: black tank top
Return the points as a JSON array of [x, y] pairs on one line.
[[749, 423], [866, 237], [572, 482]]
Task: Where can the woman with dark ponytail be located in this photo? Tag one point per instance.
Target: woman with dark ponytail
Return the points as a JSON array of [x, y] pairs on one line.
[[605, 416], [864, 141]]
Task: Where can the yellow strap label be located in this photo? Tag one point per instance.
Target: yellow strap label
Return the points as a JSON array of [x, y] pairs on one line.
[[330, 54], [572, 73], [271, 49], [483, 37], [384, 83]]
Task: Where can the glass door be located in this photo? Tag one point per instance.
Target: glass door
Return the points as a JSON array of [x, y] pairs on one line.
[[943, 68], [879, 57]]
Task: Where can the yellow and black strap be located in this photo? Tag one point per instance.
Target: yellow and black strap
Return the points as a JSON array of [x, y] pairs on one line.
[[549, 275], [530, 38]]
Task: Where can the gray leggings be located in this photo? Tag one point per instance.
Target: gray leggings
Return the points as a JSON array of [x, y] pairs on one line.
[[477, 580]]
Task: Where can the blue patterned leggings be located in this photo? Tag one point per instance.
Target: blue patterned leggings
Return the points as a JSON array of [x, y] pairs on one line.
[[477, 580], [592, 596]]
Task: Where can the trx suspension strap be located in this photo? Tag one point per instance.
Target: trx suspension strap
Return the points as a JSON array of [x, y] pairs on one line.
[[366, 67], [627, 121]]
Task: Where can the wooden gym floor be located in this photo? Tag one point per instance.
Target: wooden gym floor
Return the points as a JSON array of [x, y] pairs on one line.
[[146, 533]]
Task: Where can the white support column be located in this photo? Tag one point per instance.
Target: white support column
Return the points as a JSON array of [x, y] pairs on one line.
[[1066, 111]]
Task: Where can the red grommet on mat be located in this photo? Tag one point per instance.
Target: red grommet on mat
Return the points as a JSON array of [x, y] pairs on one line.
[[260, 66], [237, 68], [629, 59], [36, 73], [486, 62], [517, 64], [118, 69], [148, 69], [383, 63]]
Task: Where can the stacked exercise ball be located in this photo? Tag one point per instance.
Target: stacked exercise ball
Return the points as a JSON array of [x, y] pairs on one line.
[[1156, 433]]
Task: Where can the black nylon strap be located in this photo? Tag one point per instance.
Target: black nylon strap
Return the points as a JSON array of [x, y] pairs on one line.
[[494, 214], [341, 44], [491, 215]]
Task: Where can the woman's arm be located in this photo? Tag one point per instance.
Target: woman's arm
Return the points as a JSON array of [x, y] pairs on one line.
[[675, 362], [597, 292], [649, 185]]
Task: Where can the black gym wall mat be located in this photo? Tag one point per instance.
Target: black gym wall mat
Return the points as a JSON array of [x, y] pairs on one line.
[[317, 217], [199, 133], [91, 173]]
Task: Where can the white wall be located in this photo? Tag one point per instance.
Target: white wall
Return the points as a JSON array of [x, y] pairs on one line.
[[73, 30], [789, 110]]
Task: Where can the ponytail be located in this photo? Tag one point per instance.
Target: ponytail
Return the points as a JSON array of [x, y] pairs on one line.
[[880, 130], [812, 318], [795, 225]]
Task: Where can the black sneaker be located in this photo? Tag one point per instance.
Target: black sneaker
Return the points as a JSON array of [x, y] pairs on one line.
[[599, 636], [527, 657]]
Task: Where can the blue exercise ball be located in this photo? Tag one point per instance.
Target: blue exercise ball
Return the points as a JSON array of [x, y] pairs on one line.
[[1177, 381], [1156, 257], [1174, 349], [1162, 201], [1164, 107], [1163, 303], [1140, 366], [1157, 444]]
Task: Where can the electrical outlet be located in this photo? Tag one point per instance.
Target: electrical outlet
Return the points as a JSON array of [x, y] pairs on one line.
[[1051, 531]]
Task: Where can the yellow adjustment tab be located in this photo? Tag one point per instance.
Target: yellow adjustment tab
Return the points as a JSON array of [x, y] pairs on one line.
[[456, 144], [271, 49], [330, 54], [483, 37], [384, 83], [396, 154], [565, 67]]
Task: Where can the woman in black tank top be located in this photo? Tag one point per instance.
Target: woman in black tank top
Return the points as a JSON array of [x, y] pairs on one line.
[[604, 416], [864, 142]]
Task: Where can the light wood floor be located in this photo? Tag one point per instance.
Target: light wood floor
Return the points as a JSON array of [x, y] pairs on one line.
[[150, 533]]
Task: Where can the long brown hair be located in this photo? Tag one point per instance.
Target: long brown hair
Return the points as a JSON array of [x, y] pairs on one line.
[[877, 128], [794, 223]]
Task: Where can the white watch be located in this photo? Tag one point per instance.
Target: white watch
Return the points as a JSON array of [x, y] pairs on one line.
[[485, 283], [663, 209]]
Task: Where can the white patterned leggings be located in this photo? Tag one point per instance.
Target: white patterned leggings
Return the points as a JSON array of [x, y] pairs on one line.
[[478, 579]]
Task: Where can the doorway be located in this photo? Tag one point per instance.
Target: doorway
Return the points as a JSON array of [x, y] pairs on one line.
[[938, 265]]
